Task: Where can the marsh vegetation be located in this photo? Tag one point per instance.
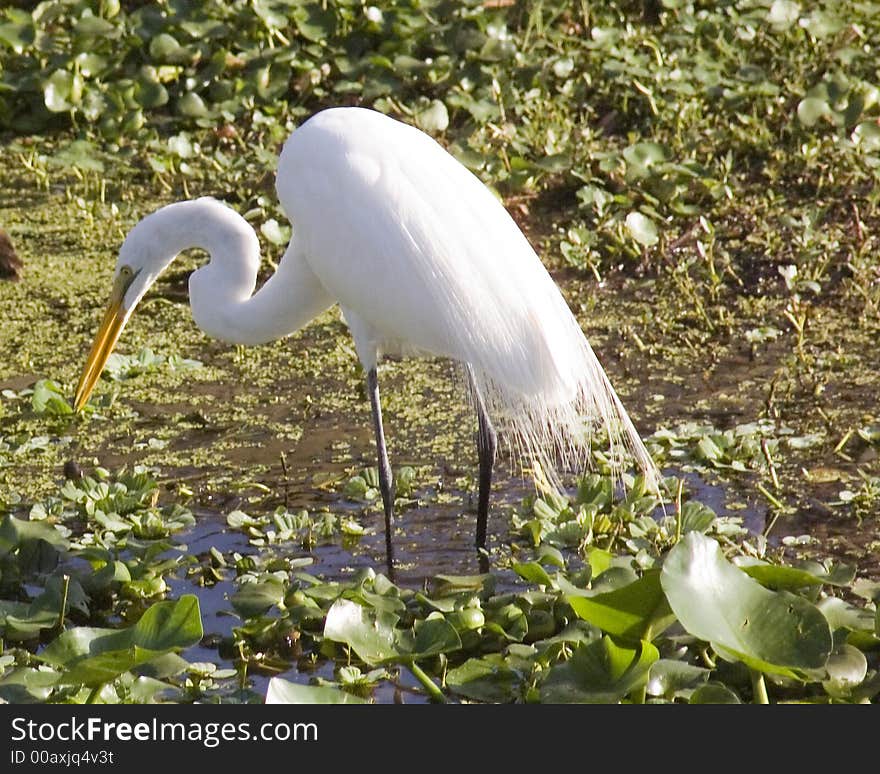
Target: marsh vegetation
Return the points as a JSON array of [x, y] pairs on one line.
[[702, 183]]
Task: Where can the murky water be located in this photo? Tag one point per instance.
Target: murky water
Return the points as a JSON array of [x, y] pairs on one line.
[[431, 538]]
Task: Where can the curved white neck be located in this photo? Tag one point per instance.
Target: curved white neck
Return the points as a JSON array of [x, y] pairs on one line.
[[222, 296]]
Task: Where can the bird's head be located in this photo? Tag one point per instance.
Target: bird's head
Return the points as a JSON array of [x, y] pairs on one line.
[[151, 245], [136, 269]]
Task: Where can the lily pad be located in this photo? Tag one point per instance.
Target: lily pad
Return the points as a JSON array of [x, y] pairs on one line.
[[635, 611], [771, 631], [92, 656], [284, 692], [373, 635], [599, 673], [642, 229]]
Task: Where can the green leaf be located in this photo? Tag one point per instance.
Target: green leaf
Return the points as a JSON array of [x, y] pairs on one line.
[[642, 156], [784, 577], [642, 229], [164, 49], [847, 669], [714, 693], [83, 155], [275, 233], [600, 672], [636, 611], [19, 32], [434, 635], [48, 398], [811, 109], [284, 692], [533, 572], [368, 632], [372, 634], [783, 14], [489, 679], [192, 105], [867, 137], [774, 632], [696, 517], [315, 22], [92, 656], [62, 91], [256, 598], [671, 678], [17, 533], [434, 118]]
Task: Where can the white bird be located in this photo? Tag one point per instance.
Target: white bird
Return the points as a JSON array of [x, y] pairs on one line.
[[423, 260]]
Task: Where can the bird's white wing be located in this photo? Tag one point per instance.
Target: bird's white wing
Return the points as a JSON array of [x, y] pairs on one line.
[[404, 236], [429, 260]]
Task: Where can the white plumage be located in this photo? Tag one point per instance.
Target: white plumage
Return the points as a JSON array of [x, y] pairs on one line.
[[422, 259]]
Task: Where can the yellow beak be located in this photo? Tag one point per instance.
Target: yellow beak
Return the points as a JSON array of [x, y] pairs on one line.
[[111, 326]]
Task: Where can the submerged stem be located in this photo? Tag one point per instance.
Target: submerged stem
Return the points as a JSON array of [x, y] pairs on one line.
[[430, 686], [759, 688], [61, 612], [96, 691]]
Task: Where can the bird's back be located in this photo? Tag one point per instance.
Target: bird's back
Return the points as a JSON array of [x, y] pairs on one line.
[[430, 262], [410, 240]]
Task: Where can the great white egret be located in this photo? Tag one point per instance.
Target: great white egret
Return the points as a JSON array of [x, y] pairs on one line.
[[422, 259]]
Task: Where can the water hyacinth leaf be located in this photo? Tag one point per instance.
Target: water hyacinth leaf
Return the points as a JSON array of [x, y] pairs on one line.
[[18, 32], [434, 118], [811, 109], [62, 91], [599, 673], [256, 598], [714, 693], [275, 232], [552, 556], [315, 22], [489, 679], [867, 137], [162, 666], [92, 656], [783, 14], [21, 621], [642, 229], [27, 685], [696, 517], [670, 678], [17, 533], [642, 156], [775, 632], [192, 105], [368, 632], [284, 692], [859, 624], [432, 636], [599, 560], [632, 612], [449, 584], [784, 577], [95, 26], [847, 668], [554, 164], [533, 572], [80, 154], [165, 48], [48, 398]]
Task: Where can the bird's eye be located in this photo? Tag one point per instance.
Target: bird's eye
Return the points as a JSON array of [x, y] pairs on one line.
[[125, 271]]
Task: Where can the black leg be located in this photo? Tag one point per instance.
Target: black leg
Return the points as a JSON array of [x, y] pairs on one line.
[[487, 443], [386, 484]]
